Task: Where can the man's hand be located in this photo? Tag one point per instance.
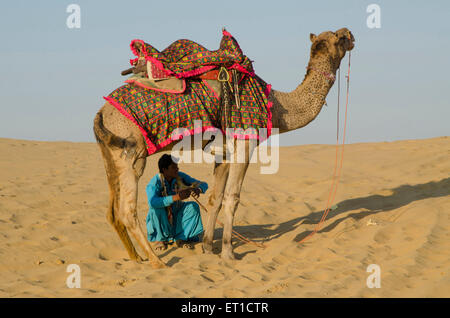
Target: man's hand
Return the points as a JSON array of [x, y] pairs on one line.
[[182, 195], [197, 192]]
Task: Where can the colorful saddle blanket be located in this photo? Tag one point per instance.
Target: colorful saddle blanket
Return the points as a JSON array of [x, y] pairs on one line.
[[185, 58], [159, 114]]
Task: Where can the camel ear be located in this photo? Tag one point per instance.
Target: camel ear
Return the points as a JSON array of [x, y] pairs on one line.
[[312, 37]]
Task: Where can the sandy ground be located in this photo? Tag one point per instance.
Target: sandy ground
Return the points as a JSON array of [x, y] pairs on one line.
[[393, 210]]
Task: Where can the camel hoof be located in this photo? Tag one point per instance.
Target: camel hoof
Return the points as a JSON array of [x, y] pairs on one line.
[[137, 258], [158, 265], [228, 256], [207, 249]]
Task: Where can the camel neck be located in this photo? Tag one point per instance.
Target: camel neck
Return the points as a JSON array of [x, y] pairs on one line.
[[298, 108]]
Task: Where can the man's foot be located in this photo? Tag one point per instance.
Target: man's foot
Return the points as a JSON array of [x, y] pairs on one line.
[[185, 244], [160, 246]]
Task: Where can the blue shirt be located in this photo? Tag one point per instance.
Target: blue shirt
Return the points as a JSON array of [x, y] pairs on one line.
[[156, 200], [187, 214]]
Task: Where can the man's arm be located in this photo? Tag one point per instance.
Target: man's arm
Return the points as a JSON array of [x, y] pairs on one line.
[[155, 200], [189, 180]]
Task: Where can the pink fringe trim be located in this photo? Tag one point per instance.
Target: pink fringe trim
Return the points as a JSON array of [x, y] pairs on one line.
[[269, 111], [130, 81], [197, 130], [133, 61], [241, 69], [156, 62], [151, 148], [225, 32]]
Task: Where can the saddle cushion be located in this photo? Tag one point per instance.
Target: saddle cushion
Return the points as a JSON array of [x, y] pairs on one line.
[[169, 85]]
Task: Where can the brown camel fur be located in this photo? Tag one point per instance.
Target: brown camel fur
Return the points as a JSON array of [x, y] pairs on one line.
[[124, 150]]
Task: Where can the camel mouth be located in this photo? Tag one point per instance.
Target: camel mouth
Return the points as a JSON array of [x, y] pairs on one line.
[[349, 40], [347, 37], [352, 41], [352, 45]]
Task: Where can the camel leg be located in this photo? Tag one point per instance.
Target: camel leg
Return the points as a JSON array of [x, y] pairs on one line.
[[127, 212], [118, 225], [220, 177], [124, 152], [114, 190], [231, 198], [230, 202]]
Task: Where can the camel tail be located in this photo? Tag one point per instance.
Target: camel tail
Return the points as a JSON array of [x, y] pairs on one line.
[[104, 136]]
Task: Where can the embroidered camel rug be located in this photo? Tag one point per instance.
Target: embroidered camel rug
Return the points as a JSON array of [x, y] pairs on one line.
[[159, 114]]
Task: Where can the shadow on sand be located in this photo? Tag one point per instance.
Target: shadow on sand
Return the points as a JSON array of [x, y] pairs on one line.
[[401, 196]]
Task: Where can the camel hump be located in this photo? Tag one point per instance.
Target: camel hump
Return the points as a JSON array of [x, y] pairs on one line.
[[104, 136]]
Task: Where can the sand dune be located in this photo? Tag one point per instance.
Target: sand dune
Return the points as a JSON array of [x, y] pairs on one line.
[[393, 209]]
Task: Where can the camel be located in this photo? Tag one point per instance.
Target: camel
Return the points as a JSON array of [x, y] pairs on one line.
[[124, 150]]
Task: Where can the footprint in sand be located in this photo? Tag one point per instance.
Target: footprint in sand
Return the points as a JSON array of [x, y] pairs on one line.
[[109, 253], [383, 236], [125, 282]]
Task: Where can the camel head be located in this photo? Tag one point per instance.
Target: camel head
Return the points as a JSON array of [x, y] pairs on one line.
[[332, 44]]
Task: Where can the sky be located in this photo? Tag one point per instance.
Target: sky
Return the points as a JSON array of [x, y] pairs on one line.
[[54, 77]]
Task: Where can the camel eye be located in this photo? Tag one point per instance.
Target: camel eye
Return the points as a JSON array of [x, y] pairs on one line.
[[342, 40], [320, 46]]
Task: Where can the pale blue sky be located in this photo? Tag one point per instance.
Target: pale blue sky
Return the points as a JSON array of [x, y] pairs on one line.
[[53, 78]]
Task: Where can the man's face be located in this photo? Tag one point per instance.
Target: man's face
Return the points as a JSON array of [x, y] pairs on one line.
[[171, 171]]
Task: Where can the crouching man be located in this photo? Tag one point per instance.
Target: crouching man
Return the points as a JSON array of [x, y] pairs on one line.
[[169, 218]]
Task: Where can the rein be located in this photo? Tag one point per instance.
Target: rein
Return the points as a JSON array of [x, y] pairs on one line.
[[335, 180], [233, 232]]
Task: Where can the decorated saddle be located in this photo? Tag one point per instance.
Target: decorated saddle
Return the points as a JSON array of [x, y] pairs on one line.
[[173, 88]]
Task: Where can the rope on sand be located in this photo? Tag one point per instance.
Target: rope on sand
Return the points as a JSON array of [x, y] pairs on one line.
[[335, 180], [234, 233]]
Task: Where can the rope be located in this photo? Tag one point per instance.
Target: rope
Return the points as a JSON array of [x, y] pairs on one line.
[[338, 104], [335, 180], [234, 233]]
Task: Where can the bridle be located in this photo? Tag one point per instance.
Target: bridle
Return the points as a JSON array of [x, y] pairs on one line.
[[336, 176], [329, 76]]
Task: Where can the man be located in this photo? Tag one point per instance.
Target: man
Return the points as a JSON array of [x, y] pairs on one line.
[[169, 218]]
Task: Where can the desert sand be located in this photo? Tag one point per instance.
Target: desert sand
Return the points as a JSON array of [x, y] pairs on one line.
[[393, 210]]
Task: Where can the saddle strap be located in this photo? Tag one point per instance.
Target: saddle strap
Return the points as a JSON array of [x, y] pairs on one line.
[[229, 80], [213, 75], [226, 105]]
